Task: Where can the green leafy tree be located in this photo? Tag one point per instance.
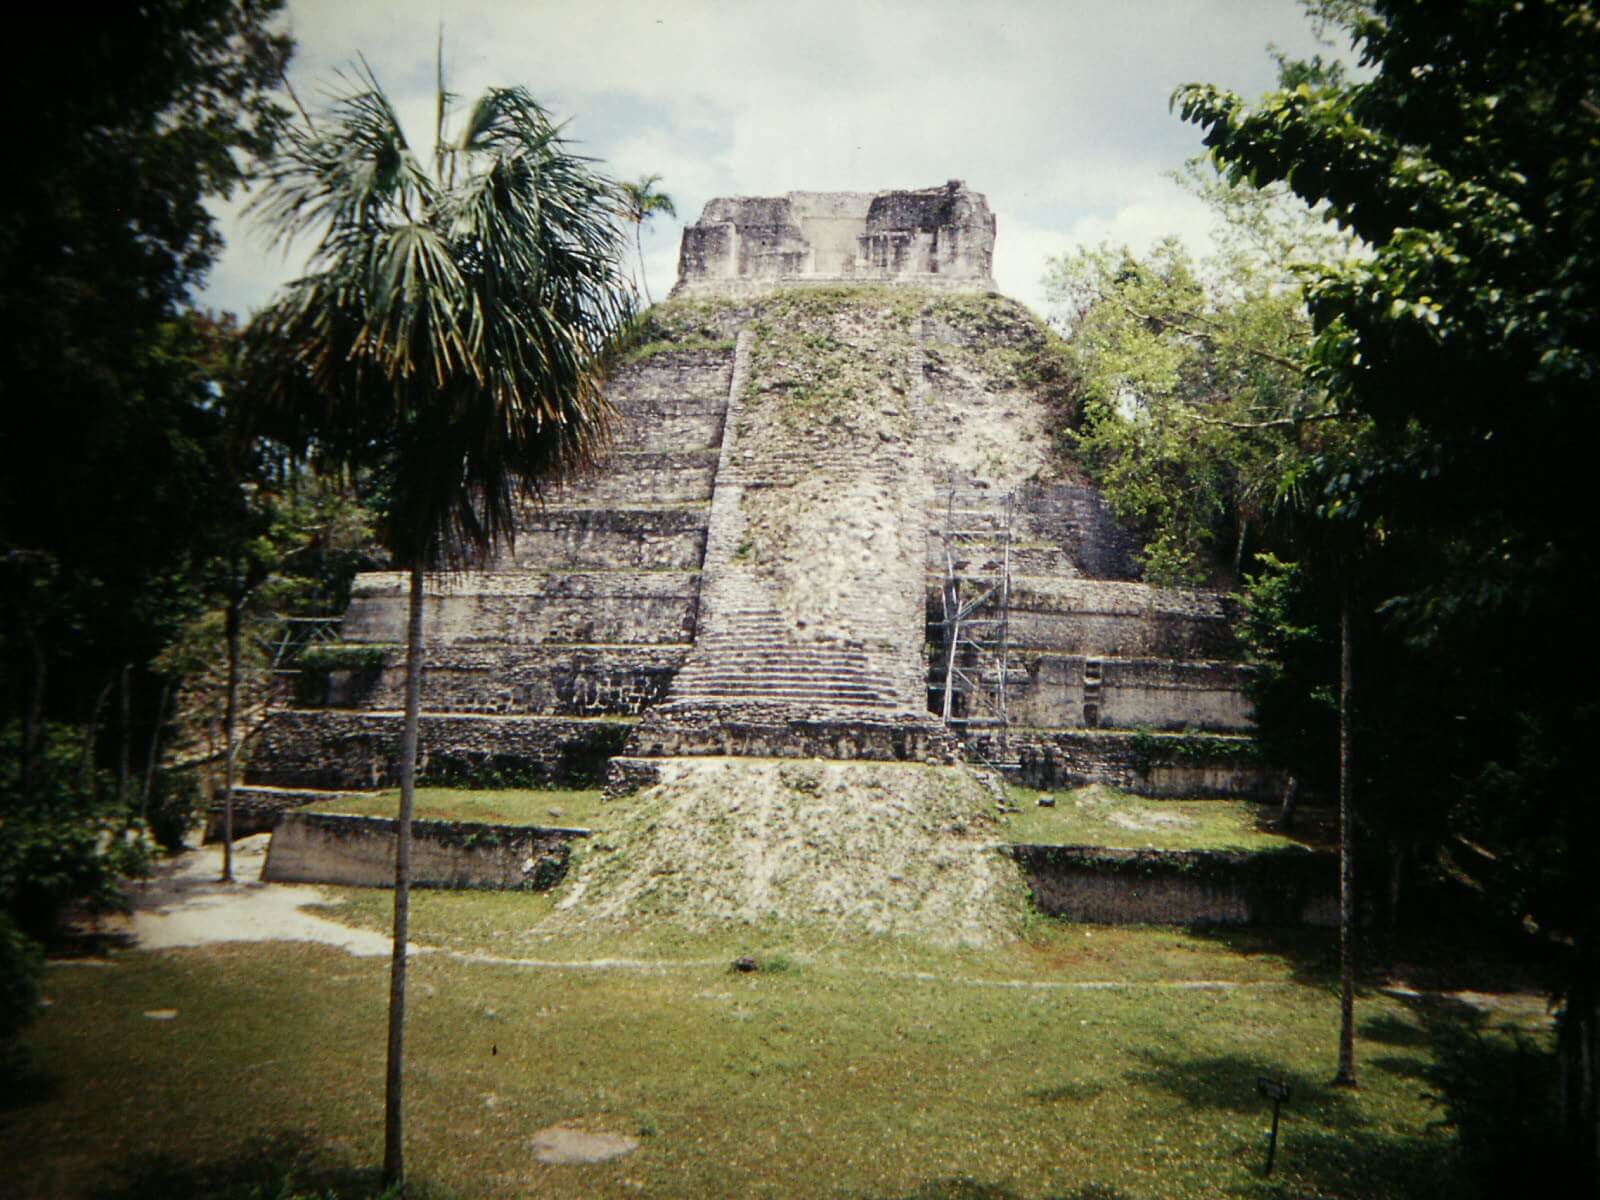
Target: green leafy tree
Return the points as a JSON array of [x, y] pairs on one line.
[[451, 330], [121, 133], [1197, 408], [1470, 338], [1204, 416], [642, 203]]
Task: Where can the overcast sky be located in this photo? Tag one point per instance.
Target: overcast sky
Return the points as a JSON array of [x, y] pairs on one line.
[[1055, 109]]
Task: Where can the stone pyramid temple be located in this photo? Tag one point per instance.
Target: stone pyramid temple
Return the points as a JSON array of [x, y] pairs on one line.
[[835, 522]]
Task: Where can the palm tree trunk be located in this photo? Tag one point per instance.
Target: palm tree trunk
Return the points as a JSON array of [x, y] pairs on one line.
[[638, 244], [394, 1169], [230, 717], [1347, 966]]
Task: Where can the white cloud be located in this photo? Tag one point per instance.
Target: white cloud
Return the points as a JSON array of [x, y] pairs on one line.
[[1056, 110]]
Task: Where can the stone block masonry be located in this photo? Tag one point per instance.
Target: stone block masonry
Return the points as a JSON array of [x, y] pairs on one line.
[[1182, 887], [534, 667], [934, 238], [748, 573], [351, 851], [810, 611], [338, 750]]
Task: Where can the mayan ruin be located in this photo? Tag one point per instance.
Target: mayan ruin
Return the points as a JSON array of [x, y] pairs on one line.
[[855, 601], [833, 526]]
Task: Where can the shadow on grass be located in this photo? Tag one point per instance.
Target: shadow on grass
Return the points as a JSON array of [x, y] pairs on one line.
[[283, 1165], [1313, 828], [972, 1189], [23, 1082], [1327, 1145], [1228, 1082], [1312, 955]]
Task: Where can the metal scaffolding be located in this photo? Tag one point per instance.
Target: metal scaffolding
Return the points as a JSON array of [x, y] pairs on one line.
[[977, 606]]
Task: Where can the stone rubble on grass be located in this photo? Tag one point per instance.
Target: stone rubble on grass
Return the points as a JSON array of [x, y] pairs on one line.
[[565, 1145]]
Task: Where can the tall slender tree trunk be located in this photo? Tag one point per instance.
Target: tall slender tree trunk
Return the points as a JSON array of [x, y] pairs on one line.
[[32, 712], [124, 739], [1347, 964], [638, 244], [91, 736], [155, 749], [230, 719], [394, 1168], [1579, 1053]]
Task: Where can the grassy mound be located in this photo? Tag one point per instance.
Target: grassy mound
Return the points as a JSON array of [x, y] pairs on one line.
[[871, 847]]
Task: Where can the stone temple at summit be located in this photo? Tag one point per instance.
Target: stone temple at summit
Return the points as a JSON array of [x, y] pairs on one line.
[[835, 521]]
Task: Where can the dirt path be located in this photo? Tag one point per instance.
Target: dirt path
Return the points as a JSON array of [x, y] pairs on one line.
[[185, 904]]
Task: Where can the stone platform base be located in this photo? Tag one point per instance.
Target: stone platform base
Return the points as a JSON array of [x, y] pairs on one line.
[[777, 731], [258, 809], [1182, 887], [356, 851]]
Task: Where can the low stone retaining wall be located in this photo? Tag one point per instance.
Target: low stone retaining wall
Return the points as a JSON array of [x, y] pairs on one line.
[[343, 749], [356, 851], [1062, 758], [257, 809], [1182, 887], [772, 731]]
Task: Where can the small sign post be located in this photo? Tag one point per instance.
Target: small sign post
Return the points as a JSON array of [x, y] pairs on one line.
[[1277, 1091]]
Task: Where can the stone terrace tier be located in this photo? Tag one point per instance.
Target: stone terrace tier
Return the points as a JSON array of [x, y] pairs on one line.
[[576, 629], [755, 567]]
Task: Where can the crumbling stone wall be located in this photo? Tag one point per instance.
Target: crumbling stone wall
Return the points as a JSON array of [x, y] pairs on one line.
[[934, 237], [1182, 887], [352, 851], [534, 668]]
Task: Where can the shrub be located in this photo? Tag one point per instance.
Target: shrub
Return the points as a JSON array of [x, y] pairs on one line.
[[67, 842], [175, 805], [20, 966]]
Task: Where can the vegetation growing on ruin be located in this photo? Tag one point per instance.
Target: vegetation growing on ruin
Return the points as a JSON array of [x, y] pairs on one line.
[[863, 847], [1103, 816], [1152, 749], [677, 326], [831, 361], [1016, 349], [511, 806]]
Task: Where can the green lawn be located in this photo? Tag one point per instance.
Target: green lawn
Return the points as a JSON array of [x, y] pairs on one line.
[[1077, 1062], [1102, 816], [510, 806]]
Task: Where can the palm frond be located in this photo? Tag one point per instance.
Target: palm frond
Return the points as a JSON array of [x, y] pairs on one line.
[[453, 331]]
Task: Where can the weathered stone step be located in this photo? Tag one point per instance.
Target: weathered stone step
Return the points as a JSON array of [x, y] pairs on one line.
[[657, 477], [777, 670], [750, 685], [810, 702]]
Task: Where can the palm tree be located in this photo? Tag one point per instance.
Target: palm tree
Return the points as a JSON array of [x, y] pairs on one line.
[[449, 334], [641, 203]]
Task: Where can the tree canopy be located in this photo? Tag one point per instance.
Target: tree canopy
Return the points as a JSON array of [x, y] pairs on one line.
[[1469, 337], [119, 134]]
